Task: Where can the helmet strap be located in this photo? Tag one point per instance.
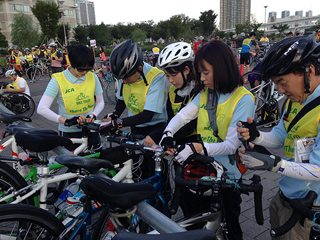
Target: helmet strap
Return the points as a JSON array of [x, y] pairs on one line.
[[143, 76], [184, 81], [306, 78]]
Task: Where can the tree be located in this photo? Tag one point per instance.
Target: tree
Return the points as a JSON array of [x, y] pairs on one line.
[[207, 21], [61, 32], [48, 15], [3, 41], [23, 34], [281, 27], [246, 28], [80, 34], [139, 36]]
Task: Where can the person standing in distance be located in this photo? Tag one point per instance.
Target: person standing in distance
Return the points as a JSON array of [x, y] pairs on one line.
[[155, 51], [56, 58]]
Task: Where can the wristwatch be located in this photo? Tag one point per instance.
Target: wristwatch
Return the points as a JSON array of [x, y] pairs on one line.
[[119, 122]]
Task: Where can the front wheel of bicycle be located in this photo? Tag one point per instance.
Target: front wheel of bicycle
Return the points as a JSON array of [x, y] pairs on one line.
[[111, 91], [33, 74], [28, 222], [22, 104]]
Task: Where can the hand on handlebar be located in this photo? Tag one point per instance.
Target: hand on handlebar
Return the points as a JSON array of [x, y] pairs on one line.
[[184, 151], [110, 116], [71, 121], [167, 140], [108, 127]]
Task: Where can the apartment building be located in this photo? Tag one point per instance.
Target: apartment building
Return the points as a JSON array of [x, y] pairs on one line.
[[233, 12]]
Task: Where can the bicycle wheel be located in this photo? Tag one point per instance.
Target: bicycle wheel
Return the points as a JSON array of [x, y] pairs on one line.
[[12, 102], [111, 91], [28, 222], [33, 74], [251, 76], [25, 105], [11, 180]]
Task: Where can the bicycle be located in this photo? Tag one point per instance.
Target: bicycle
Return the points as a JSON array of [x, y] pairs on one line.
[[148, 57], [17, 103], [35, 71], [266, 98]]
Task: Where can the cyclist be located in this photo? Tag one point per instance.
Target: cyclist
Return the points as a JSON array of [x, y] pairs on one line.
[[222, 101], [15, 59], [29, 57], [156, 52], [36, 51], [293, 64], [78, 92], [142, 90], [176, 60], [246, 49], [56, 58], [20, 84]]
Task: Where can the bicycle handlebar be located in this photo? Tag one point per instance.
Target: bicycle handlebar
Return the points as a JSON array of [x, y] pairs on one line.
[[300, 209]]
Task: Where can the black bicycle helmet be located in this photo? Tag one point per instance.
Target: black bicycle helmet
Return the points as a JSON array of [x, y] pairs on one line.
[[125, 59], [290, 54]]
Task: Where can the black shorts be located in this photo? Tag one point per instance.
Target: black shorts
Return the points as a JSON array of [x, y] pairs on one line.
[[245, 58]]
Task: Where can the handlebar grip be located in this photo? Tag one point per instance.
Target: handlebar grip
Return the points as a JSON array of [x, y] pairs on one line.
[[93, 126], [135, 136], [294, 218], [116, 140]]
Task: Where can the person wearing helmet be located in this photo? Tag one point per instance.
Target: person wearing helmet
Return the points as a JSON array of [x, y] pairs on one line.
[[19, 84], [155, 51], [218, 107], [56, 58], [293, 64], [28, 55], [15, 59], [176, 60], [78, 92], [246, 49], [142, 89]]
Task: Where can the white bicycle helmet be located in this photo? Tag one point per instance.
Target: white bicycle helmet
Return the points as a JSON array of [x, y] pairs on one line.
[[10, 72], [175, 54], [52, 44]]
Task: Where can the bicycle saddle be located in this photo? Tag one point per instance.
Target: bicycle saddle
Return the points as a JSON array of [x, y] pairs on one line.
[[117, 195], [7, 118], [201, 234], [17, 128], [40, 142], [91, 164]]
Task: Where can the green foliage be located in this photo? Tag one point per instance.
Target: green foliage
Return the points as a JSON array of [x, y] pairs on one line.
[[208, 22], [139, 36], [281, 27], [61, 33], [100, 33], [23, 33], [80, 34], [48, 15], [3, 41]]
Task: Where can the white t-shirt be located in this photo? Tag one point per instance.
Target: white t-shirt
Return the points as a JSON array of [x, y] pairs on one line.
[[23, 84]]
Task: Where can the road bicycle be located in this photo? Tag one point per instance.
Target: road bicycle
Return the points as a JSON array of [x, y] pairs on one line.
[[148, 57], [17, 103], [38, 69], [268, 102]]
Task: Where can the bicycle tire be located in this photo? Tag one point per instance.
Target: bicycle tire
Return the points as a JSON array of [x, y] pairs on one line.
[[10, 178], [27, 107], [28, 222], [12, 103], [33, 74], [111, 91]]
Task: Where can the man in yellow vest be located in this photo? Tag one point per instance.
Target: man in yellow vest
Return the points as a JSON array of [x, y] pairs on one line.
[[78, 91], [19, 84], [156, 52], [294, 65], [56, 58], [142, 89], [15, 59]]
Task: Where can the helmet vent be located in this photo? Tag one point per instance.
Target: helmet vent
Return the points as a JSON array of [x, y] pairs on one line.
[[178, 52]]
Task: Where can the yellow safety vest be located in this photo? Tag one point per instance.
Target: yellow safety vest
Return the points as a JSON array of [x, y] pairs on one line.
[[67, 60], [134, 95], [15, 83], [17, 60], [156, 50], [307, 126], [29, 58], [223, 115], [77, 98], [264, 40]]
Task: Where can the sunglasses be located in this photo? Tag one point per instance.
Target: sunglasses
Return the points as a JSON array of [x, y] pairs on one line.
[[84, 69]]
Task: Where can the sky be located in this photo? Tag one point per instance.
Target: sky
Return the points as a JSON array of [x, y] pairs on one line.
[[128, 11]]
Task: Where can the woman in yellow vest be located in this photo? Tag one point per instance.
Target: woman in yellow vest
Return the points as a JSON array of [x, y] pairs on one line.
[[218, 107], [176, 60], [78, 92], [294, 65]]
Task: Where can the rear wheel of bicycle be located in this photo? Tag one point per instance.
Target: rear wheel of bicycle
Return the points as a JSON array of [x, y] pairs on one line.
[[23, 103], [12, 102], [34, 74], [111, 91], [11, 180], [2, 71], [28, 222]]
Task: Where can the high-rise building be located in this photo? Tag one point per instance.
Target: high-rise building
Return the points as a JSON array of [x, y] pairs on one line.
[[272, 17], [309, 13], [85, 13], [9, 8], [285, 14], [233, 12], [299, 13]]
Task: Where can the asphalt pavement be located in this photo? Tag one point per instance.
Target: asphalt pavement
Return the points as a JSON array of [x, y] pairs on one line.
[[251, 230]]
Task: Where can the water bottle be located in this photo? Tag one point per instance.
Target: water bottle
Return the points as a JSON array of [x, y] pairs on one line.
[[23, 170], [52, 160], [275, 94], [70, 191]]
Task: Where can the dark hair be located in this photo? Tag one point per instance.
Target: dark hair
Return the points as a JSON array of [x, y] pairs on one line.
[[226, 74], [80, 56], [252, 34], [101, 48], [290, 33], [181, 68]]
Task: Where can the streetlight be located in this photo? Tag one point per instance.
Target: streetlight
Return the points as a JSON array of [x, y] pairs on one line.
[[265, 17], [60, 2]]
